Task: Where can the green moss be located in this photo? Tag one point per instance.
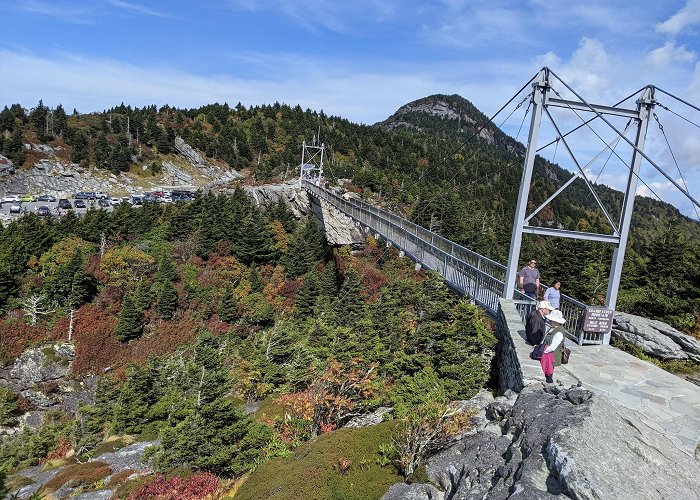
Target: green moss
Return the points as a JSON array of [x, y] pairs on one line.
[[108, 447], [319, 469], [269, 410]]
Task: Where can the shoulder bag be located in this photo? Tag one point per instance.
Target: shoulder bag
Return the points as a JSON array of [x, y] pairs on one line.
[[565, 353]]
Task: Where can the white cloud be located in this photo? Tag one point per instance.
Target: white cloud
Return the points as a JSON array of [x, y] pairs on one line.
[[138, 9], [66, 12], [669, 54], [686, 17]]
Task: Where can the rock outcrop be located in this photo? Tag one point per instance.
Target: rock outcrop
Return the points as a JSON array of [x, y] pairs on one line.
[[338, 228], [655, 337], [41, 377], [556, 442]]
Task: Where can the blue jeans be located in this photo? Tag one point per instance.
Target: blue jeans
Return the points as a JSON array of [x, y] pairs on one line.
[[532, 295]]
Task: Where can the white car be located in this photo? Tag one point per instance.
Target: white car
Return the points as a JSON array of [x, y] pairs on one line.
[[11, 198], [115, 201]]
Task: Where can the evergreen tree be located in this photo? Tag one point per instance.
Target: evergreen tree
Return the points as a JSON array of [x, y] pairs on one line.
[[166, 301], [306, 297], [228, 307], [129, 322]]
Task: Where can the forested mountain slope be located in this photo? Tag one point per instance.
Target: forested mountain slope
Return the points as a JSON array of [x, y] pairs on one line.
[[404, 163]]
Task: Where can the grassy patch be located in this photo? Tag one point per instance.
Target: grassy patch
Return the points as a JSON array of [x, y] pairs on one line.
[[269, 410], [112, 444], [338, 465], [119, 478], [14, 483], [79, 475]]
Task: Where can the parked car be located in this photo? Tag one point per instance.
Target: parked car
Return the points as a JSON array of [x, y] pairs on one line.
[[15, 208], [65, 204], [103, 202], [11, 198], [80, 196], [115, 201], [80, 204], [43, 211], [101, 196], [46, 197], [27, 198]]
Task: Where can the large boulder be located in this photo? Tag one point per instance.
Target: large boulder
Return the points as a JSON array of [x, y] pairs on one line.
[[655, 337], [557, 442], [41, 376]]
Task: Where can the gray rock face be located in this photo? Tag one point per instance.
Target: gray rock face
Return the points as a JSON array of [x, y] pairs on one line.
[[6, 165], [655, 337], [188, 152], [558, 442], [288, 192], [40, 375], [129, 457], [338, 227], [403, 491], [373, 418]]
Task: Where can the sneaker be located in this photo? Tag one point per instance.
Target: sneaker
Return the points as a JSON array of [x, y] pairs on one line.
[[549, 379]]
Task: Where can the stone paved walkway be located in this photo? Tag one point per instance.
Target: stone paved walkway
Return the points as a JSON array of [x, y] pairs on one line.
[[667, 403]]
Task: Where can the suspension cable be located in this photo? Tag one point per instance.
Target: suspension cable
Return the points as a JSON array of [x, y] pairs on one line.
[[679, 116], [620, 135], [639, 151], [661, 128]]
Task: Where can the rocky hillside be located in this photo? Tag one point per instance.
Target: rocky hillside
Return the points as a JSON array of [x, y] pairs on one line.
[[52, 174]]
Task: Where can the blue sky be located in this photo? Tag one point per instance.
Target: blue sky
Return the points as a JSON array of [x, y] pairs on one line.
[[360, 60]]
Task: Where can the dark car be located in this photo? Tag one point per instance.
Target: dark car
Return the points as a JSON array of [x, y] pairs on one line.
[[65, 204], [43, 211], [46, 197], [104, 203], [15, 208], [80, 204]]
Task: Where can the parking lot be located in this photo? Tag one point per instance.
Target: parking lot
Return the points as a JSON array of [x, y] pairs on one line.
[[89, 204], [32, 207]]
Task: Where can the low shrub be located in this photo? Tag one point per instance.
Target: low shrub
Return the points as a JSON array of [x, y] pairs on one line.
[[79, 475], [177, 488]]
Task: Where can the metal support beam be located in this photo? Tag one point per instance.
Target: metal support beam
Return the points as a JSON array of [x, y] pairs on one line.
[[579, 106], [644, 106], [577, 235], [538, 98]]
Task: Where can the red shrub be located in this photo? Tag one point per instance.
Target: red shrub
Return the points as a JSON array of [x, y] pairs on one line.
[[16, 336], [177, 488]]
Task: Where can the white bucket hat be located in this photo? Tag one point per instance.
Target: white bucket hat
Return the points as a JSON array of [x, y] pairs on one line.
[[544, 304], [556, 316]]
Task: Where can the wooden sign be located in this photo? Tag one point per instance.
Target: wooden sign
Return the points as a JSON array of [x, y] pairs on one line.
[[597, 320]]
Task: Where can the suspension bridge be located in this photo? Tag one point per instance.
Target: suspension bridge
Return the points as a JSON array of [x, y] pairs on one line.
[[665, 402]]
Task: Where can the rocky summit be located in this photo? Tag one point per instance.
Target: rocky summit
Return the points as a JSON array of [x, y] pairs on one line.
[[556, 442]]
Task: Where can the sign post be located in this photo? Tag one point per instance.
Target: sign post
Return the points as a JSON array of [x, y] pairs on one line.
[[597, 320]]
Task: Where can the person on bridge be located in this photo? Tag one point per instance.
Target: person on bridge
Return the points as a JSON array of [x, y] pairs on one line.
[[553, 294], [553, 340], [529, 279], [536, 326]]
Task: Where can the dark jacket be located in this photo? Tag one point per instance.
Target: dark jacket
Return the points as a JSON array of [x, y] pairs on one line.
[[535, 328]]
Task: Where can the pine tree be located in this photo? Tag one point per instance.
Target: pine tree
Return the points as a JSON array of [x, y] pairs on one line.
[[228, 307], [166, 301], [306, 297], [129, 322]]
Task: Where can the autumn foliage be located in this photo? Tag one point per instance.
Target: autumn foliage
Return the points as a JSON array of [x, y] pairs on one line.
[[177, 488]]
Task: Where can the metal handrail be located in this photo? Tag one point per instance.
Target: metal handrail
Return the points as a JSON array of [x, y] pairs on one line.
[[464, 270]]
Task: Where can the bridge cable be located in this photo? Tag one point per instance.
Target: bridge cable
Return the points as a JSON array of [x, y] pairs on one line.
[[586, 123], [589, 120], [661, 127], [612, 150], [479, 129], [639, 151], [476, 151], [679, 116]]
